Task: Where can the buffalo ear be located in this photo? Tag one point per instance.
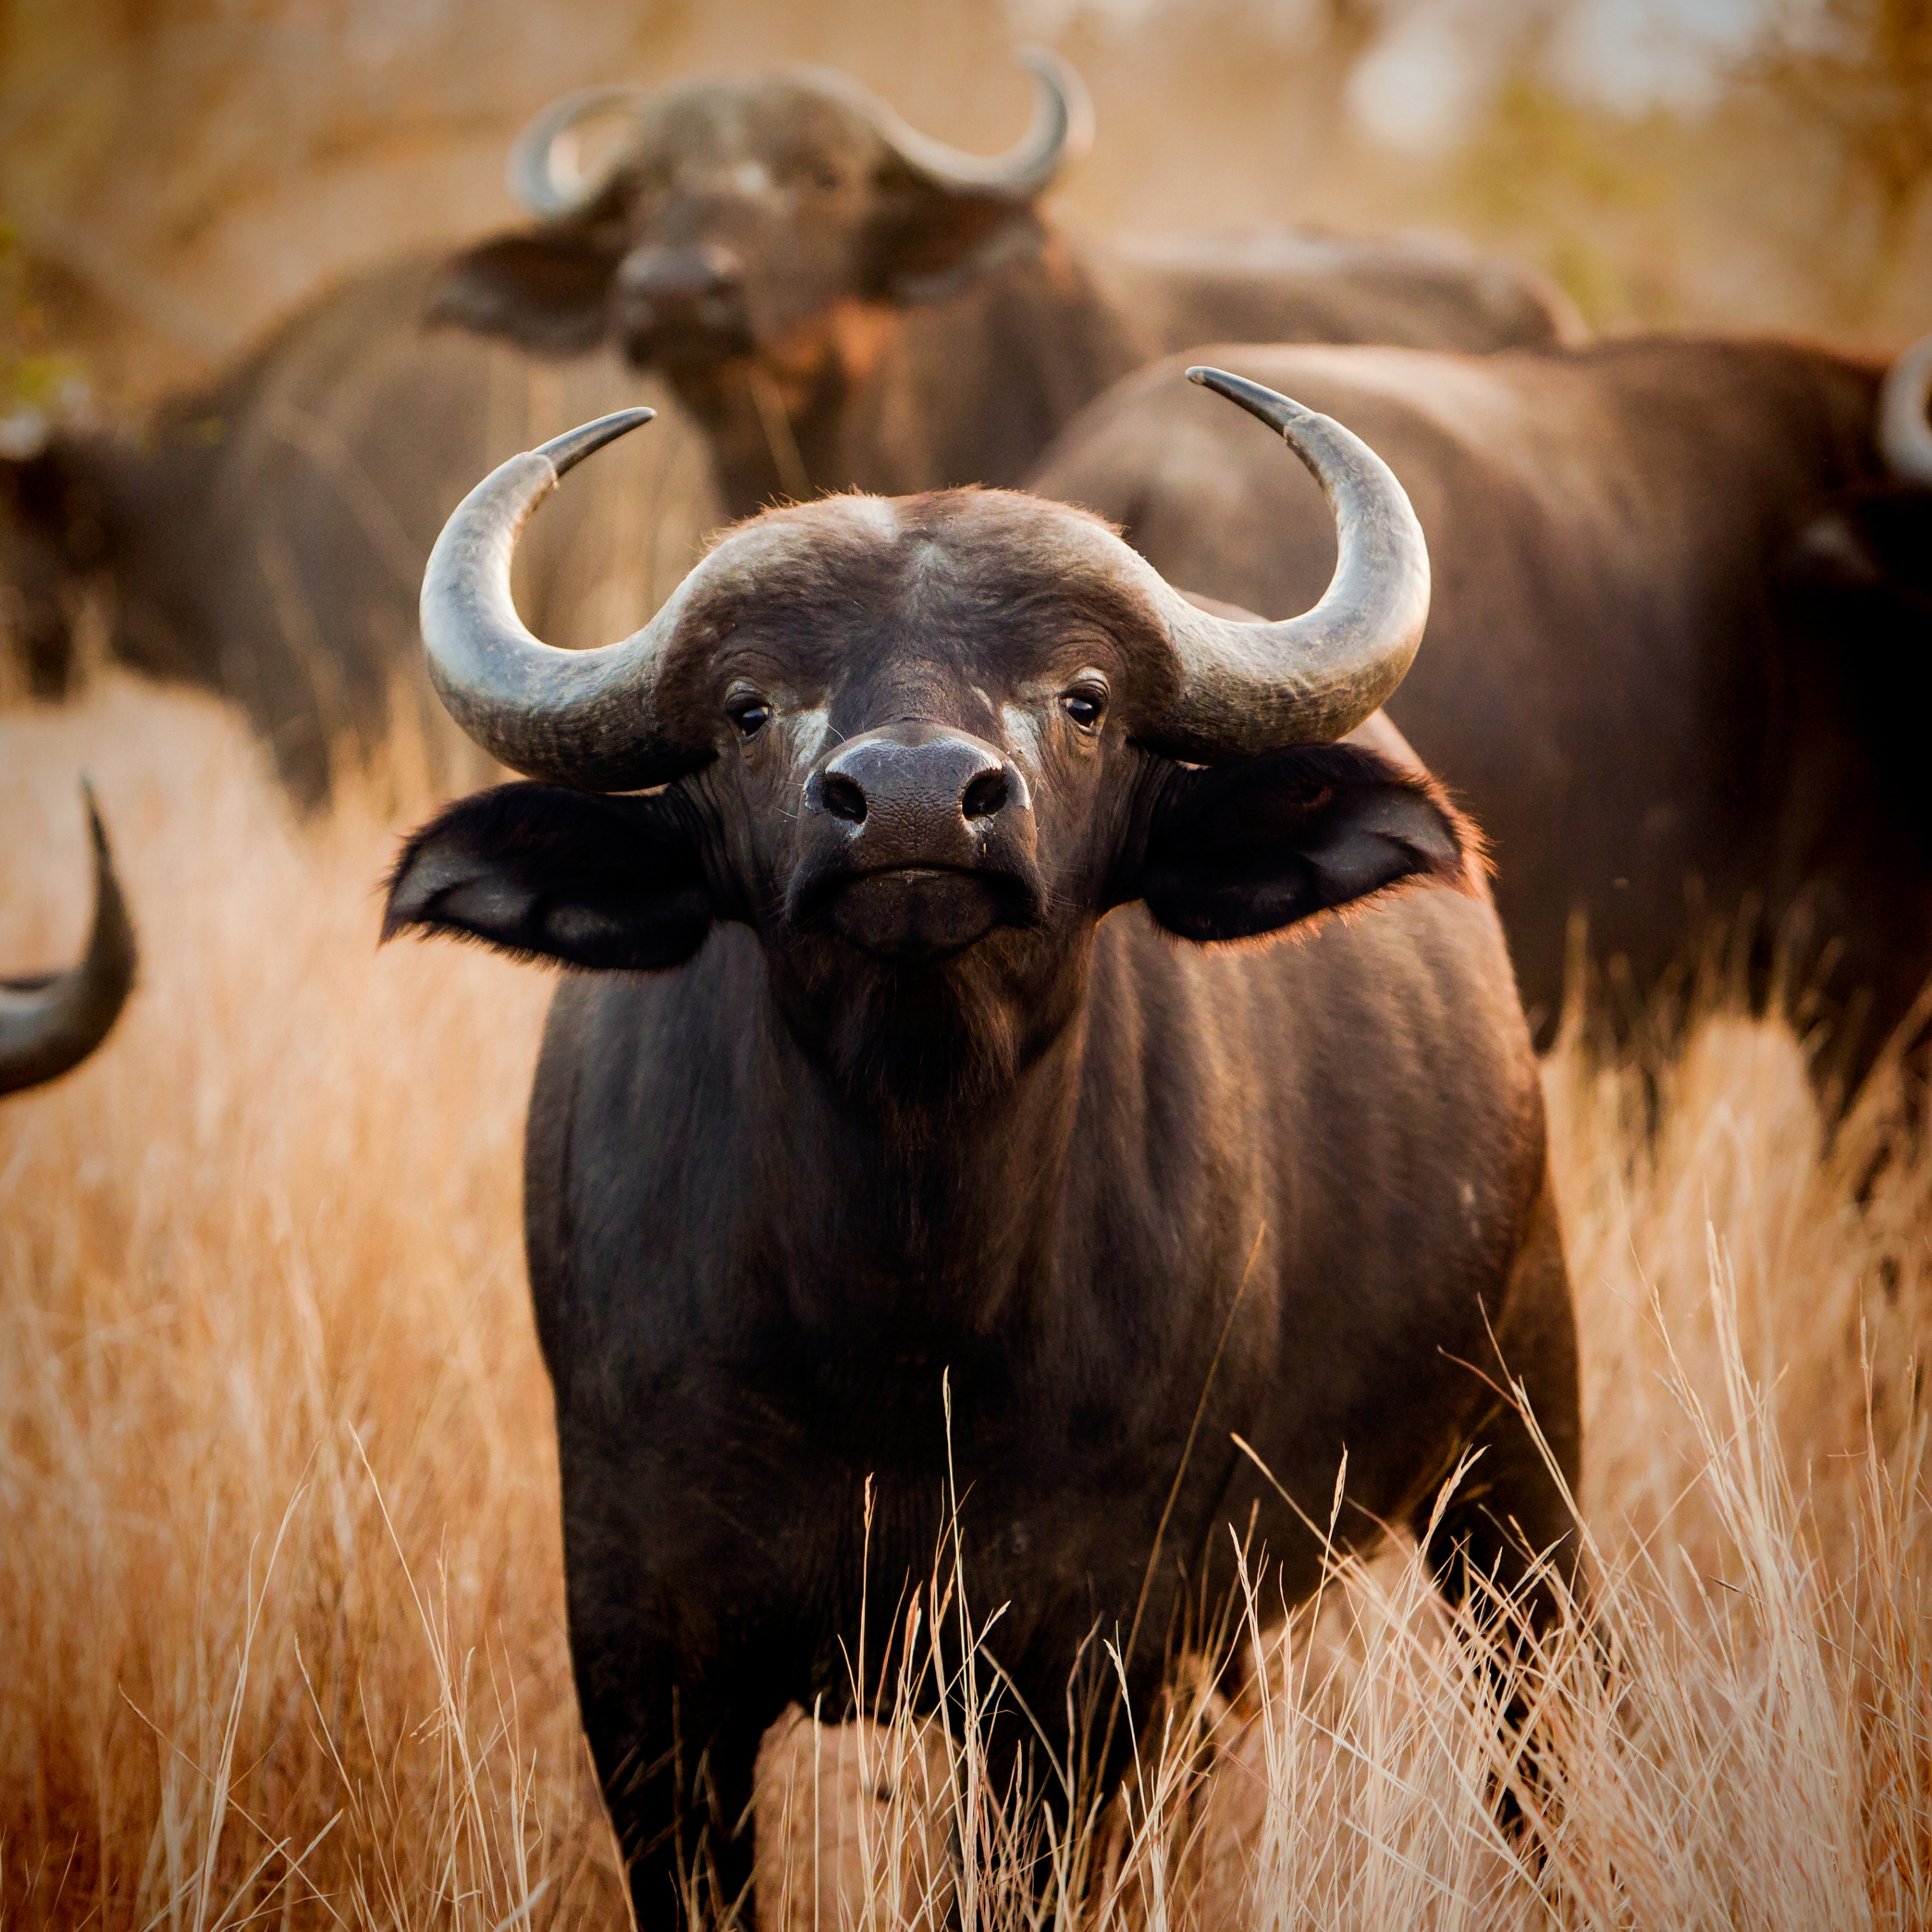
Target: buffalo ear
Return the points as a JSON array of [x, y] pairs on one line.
[[616, 884], [930, 242], [1881, 539], [1249, 849], [546, 288]]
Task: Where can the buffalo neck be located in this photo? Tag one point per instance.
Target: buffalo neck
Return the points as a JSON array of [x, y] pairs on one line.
[[925, 1224], [968, 387]]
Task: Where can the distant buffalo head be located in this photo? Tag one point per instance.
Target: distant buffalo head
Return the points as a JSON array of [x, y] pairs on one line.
[[751, 219], [49, 539], [1856, 604], [920, 746], [1881, 535], [53, 1021]]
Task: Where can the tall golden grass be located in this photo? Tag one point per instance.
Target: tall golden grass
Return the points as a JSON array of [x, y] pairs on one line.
[[281, 1626]]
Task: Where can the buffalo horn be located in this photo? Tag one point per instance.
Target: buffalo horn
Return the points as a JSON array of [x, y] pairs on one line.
[[532, 172], [1904, 434], [54, 1022], [587, 718], [1250, 688], [1062, 131]]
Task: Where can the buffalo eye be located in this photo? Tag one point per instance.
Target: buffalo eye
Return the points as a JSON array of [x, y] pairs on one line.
[[749, 711], [1086, 704]]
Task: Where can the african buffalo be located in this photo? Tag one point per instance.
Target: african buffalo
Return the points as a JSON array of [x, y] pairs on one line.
[[1679, 582], [918, 1069], [53, 1021], [264, 536], [844, 303]]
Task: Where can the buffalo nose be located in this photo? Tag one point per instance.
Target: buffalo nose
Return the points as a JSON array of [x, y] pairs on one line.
[[917, 840], [912, 784], [704, 283]]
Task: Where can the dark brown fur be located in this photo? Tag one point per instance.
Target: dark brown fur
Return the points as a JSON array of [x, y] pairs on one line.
[[1675, 638], [868, 326]]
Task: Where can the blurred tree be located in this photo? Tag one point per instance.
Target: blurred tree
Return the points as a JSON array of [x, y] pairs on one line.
[[1859, 72], [1585, 193]]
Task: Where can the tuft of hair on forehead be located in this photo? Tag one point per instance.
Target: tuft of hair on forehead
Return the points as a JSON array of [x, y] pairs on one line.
[[1000, 547], [780, 106], [968, 518]]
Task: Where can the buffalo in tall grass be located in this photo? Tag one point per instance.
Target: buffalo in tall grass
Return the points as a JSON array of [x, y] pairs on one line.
[[888, 1146], [284, 1613]]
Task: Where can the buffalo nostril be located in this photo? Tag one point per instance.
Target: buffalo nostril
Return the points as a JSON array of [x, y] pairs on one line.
[[985, 795], [842, 799]]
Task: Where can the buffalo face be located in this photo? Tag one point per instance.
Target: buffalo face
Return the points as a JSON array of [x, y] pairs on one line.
[[766, 221], [923, 791], [920, 747]]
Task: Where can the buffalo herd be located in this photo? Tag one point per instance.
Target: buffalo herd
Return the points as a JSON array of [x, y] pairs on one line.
[[918, 324], [933, 1124]]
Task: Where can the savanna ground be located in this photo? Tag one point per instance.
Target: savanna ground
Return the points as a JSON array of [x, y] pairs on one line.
[[280, 1593]]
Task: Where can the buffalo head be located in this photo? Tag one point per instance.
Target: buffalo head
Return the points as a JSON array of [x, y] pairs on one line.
[[49, 540], [920, 746], [1877, 539], [750, 219]]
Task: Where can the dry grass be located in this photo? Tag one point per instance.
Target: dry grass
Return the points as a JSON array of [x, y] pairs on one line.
[[280, 1604]]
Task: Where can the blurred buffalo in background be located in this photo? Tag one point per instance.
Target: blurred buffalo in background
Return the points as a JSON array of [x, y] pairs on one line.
[[51, 1021], [840, 301], [1681, 584], [844, 303], [264, 536]]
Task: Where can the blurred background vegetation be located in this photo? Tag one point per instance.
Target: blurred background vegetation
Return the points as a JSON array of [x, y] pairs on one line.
[[176, 174]]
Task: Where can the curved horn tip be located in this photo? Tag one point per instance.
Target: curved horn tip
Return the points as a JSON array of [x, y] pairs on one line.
[[53, 1021], [113, 934], [567, 450], [1250, 688], [104, 880], [528, 173], [1904, 433], [1276, 410], [1076, 103], [94, 825]]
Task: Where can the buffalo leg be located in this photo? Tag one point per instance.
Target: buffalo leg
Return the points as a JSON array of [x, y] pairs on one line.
[[1511, 1510], [678, 1780]]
